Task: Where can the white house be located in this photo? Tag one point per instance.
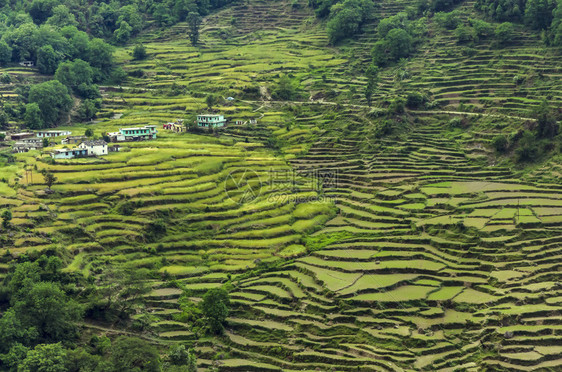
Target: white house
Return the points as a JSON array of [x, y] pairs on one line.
[[94, 148], [52, 133]]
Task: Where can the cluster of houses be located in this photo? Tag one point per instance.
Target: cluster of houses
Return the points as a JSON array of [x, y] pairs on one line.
[[205, 121], [84, 149]]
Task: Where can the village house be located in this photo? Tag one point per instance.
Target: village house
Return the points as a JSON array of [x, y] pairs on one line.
[[20, 136], [211, 121], [113, 148], [134, 134], [95, 147], [69, 153], [177, 126], [253, 121], [71, 140], [19, 147], [52, 133], [26, 63]]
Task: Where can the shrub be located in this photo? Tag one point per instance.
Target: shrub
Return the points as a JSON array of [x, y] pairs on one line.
[[139, 52], [415, 100], [504, 32], [500, 143]]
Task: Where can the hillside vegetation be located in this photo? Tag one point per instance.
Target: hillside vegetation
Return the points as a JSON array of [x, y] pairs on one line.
[[396, 207]]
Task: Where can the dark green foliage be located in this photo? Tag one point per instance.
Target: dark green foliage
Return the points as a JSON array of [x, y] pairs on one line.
[[32, 117], [5, 53], [194, 22], [539, 13], [483, 29], [547, 127], [44, 358], [215, 308], [397, 44], [449, 20], [88, 109], [72, 74], [286, 89], [504, 32], [465, 34], [502, 10], [415, 100], [53, 101], [47, 308], [89, 132], [500, 143], [528, 148], [372, 79], [47, 60], [139, 52], [134, 355], [346, 18]]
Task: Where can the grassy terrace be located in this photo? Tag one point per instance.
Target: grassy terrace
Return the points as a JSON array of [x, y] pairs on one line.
[[426, 252]]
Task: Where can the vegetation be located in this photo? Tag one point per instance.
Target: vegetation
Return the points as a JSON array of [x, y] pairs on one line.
[[367, 207]]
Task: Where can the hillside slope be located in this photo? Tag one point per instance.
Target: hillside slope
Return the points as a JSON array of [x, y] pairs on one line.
[[378, 241]]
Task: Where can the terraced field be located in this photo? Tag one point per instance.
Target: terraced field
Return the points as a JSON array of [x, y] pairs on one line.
[[419, 250]]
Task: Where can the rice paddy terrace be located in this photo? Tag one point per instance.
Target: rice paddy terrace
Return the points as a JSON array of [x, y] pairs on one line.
[[345, 250]]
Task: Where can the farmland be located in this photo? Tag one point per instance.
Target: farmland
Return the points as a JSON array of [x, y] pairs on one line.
[[342, 248]]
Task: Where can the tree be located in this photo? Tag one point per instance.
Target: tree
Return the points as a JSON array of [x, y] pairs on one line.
[[123, 33], [547, 127], [49, 178], [53, 100], [62, 17], [500, 143], [44, 358], [89, 132], [210, 100], [32, 116], [6, 218], [135, 355], [74, 73], [40, 10], [47, 60], [87, 110], [527, 149], [465, 34], [45, 142], [139, 52], [504, 32], [194, 22], [539, 13], [5, 53], [215, 307], [285, 89], [4, 120], [398, 43], [47, 308], [372, 78]]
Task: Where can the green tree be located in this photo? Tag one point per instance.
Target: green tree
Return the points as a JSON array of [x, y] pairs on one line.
[[47, 308], [87, 110], [5, 53], [504, 32], [44, 358], [123, 33], [12, 331], [40, 10], [528, 148], [32, 116], [89, 132], [139, 52], [194, 22], [547, 127], [45, 142], [539, 13], [215, 308], [500, 143], [62, 17], [74, 73], [372, 79], [286, 89], [49, 178], [4, 120], [53, 101], [47, 60], [211, 100], [134, 355]]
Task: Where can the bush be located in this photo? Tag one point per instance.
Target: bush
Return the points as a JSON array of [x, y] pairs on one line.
[[139, 52], [397, 106], [504, 32], [500, 143], [528, 148], [415, 100]]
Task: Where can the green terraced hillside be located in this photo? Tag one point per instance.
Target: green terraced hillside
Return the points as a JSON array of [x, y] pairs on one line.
[[343, 249]]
